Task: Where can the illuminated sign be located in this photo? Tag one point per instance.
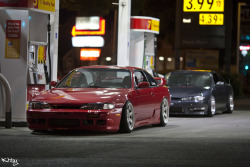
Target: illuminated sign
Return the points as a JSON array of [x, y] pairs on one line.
[[211, 19], [101, 31], [203, 5], [89, 54], [88, 41], [186, 20], [46, 5], [247, 47], [145, 24], [12, 42], [88, 23]]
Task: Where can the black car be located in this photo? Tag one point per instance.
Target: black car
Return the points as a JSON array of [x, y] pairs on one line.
[[199, 93]]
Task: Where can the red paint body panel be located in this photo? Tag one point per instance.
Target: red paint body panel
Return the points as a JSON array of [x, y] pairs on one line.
[[66, 102]]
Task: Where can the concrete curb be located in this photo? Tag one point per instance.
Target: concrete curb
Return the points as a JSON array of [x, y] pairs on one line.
[[15, 123]]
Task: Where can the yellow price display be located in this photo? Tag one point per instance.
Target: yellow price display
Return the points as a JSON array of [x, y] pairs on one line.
[[203, 5], [211, 19]]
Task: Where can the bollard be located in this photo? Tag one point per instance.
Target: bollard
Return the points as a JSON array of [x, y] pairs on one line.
[[7, 90]]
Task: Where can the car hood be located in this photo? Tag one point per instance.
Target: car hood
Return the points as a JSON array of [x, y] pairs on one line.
[[82, 95], [187, 91]]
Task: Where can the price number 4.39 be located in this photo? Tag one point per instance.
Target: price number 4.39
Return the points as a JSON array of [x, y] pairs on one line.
[[211, 19]]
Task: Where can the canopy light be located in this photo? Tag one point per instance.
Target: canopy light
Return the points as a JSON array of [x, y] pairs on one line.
[[108, 58], [101, 31], [88, 41], [90, 54], [161, 58]]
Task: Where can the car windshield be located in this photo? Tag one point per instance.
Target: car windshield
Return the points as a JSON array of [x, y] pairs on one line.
[[189, 79], [97, 78]]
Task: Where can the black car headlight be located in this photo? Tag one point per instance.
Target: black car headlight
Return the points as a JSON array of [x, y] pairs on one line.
[[39, 105], [98, 106], [193, 98]]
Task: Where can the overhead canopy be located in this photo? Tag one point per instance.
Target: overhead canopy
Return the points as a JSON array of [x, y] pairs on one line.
[[45, 6], [145, 24]]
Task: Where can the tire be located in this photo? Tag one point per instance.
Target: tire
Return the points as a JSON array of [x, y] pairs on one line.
[[230, 104], [211, 107], [164, 115], [128, 118]]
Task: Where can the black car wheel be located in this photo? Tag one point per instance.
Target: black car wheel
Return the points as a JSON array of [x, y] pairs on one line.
[[164, 115], [230, 104], [128, 118], [211, 107]]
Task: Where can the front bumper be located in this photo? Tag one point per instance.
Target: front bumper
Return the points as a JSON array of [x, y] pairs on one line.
[[187, 108], [66, 119]]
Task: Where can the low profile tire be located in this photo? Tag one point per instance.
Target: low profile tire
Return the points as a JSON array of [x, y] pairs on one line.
[[230, 105], [164, 115], [128, 118], [211, 107]]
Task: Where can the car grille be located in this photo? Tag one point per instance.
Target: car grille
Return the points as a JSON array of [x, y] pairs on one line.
[[92, 106], [65, 106], [64, 123], [176, 98], [176, 110]]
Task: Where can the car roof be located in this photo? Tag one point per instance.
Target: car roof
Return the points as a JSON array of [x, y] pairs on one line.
[[110, 67], [193, 71]]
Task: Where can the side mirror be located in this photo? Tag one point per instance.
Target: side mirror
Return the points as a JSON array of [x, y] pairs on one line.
[[160, 81], [143, 85], [53, 83]]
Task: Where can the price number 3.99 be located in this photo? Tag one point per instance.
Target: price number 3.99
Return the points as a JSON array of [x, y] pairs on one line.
[[203, 5]]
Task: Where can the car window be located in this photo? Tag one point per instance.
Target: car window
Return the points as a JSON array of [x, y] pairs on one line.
[[97, 78], [189, 79], [139, 77], [151, 80], [220, 78], [215, 77]]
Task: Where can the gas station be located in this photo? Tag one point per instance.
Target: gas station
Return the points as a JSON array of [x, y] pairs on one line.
[[29, 47], [28, 50]]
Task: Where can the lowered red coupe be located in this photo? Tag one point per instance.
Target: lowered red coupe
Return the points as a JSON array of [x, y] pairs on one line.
[[102, 98]]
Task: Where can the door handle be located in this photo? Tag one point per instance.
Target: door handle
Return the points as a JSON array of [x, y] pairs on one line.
[[152, 94]]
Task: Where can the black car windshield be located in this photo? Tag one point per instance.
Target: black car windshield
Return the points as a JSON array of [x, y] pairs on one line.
[[97, 78], [189, 79]]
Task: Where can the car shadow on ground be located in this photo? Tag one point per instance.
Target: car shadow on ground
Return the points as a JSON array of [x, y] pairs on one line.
[[187, 116], [98, 133], [219, 113]]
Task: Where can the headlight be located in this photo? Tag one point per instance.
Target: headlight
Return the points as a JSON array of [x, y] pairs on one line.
[[108, 106], [194, 98], [97, 106], [39, 105]]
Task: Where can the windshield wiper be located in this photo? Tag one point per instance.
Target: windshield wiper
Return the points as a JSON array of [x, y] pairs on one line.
[[96, 86]]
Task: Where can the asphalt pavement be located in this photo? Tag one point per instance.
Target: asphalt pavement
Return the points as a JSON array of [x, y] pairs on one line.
[[220, 141]]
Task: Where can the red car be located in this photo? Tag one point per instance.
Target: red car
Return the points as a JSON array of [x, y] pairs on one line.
[[102, 98]]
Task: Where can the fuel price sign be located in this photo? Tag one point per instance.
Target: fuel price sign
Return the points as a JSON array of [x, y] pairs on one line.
[[211, 19], [203, 5]]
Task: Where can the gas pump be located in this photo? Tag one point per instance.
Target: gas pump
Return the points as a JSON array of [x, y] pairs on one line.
[[25, 49], [37, 71], [143, 42]]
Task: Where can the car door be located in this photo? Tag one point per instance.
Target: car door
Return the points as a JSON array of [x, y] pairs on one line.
[[225, 89], [145, 98], [219, 91]]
